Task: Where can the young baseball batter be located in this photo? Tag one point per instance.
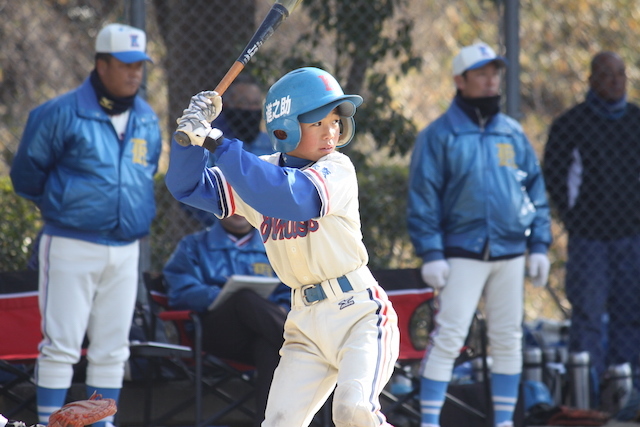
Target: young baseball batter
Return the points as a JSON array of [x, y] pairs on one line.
[[342, 331]]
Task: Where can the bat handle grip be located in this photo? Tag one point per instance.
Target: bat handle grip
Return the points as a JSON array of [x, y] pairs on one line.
[[228, 78], [211, 142]]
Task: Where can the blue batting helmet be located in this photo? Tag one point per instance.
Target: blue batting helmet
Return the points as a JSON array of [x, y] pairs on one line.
[[306, 95]]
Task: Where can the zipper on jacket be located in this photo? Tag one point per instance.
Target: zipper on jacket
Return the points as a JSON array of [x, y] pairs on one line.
[[481, 120]]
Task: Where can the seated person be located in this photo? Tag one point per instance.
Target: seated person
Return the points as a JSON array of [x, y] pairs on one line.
[[246, 327]]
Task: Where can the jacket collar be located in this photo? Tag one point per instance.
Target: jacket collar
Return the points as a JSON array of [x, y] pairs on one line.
[[461, 123], [218, 238], [88, 106]]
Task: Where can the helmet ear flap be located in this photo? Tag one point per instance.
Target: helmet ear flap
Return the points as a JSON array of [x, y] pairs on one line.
[[286, 136], [348, 129]]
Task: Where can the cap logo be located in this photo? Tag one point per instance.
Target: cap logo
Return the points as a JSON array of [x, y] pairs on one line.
[[277, 108], [134, 40], [484, 51], [328, 83]]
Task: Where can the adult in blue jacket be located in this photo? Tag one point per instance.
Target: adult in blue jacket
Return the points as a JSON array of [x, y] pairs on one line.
[[246, 327], [87, 159], [476, 207]]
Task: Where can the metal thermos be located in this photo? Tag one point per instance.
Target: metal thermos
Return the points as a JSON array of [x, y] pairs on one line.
[[533, 364], [616, 388], [554, 373], [579, 388]]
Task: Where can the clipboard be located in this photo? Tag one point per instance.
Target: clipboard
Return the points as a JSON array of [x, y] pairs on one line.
[[263, 286]]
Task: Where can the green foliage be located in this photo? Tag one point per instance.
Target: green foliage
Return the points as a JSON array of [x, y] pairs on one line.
[[383, 205], [18, 228]]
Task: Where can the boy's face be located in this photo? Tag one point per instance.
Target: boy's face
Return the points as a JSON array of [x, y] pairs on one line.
[[318, 139]]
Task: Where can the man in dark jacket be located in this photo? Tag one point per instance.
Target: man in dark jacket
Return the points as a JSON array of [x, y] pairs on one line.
[[592, 171]]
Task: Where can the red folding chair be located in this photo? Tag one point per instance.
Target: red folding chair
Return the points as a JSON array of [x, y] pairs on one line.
[[20, 335]]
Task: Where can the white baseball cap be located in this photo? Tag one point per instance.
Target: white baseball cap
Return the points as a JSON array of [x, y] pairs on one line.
[[475, 56], [126, 43]]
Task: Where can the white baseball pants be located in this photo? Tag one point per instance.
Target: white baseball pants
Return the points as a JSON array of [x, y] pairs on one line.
[[349, 341], [502, 283], [85, 288]]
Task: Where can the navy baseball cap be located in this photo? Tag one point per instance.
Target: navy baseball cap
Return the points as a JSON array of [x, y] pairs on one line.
[[124, 42], [475, 56]]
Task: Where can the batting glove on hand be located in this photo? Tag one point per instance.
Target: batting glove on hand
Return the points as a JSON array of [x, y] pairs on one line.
[[205, 105], [435, 273], [539, 269]]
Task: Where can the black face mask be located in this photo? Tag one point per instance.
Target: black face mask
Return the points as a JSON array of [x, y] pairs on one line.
[[245, 124]]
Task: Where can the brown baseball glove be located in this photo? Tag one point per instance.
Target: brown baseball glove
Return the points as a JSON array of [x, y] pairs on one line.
[[83, 412]]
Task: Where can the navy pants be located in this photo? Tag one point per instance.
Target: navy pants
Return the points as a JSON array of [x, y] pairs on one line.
[[603, 280]]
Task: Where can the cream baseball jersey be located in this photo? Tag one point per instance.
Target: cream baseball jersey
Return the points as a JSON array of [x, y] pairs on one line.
[[307, 252]]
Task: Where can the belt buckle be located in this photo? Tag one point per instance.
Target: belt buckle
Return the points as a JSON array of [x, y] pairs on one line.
[[303, 291]]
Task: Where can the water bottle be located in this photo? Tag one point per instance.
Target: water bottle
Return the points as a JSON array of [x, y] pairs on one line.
[[554, 373], [533, 364], [616, 388], [579, 384]]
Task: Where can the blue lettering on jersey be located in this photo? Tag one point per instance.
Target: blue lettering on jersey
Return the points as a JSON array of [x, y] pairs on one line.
[[281, 229], [325, 172]]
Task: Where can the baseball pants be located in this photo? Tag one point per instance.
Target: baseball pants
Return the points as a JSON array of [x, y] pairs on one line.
[[502, 283], [350, 342], [85, 288]]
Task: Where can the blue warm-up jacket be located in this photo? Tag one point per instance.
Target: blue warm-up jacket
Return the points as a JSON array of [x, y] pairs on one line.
[[87, 183], [476, 189]]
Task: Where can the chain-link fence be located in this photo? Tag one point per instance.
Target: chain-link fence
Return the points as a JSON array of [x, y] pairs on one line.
[[396, 53]]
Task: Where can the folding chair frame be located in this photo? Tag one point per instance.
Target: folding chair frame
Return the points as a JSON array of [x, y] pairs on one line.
[[209, 373]]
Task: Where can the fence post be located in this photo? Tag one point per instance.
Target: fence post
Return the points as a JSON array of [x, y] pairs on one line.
[[512, 43], [137, 18]]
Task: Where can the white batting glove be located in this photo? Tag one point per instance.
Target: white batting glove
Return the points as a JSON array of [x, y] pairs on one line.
[[539, 266], [435, 273], [194, 126], [206, 105]]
